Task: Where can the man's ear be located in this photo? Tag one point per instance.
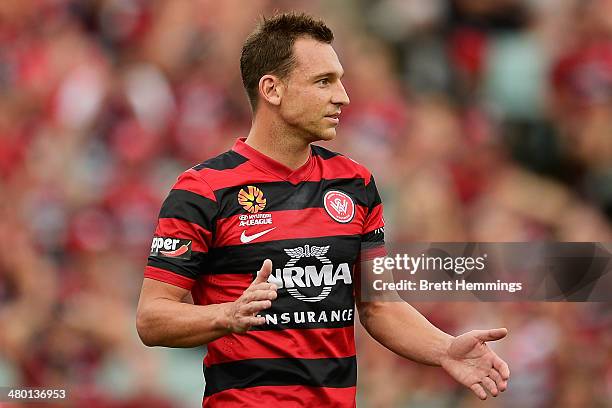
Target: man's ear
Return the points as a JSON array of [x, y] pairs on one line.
[[271, 89]]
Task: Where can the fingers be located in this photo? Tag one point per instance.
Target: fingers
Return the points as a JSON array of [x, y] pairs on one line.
[[264, 273], [254, 307], [262, 291], [490, 335], [485, 383], [501, 366], [495, 376], [479, 391], [493, 384], [261, 286], [257, 320], [257, 297], [260, 294], [250, 321], [490, 386]]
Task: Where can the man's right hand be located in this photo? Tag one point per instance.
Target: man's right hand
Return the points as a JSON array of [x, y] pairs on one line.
[[241, 314]]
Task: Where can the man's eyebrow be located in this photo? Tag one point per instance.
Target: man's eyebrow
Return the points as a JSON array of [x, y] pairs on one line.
[[329, 74]]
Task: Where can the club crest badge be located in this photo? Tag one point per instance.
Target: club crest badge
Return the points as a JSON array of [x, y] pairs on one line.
[[339, 206]]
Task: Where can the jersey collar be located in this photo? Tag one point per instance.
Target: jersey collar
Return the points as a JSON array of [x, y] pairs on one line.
[[270, 165]]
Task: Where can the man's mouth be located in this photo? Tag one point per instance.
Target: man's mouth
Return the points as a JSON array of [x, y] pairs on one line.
[[334, 117]]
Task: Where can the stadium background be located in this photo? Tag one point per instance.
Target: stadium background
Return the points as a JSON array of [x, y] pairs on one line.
[[482, 121]]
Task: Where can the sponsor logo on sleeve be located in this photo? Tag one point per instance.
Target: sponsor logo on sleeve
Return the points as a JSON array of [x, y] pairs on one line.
[[380, 230], [171, 248]]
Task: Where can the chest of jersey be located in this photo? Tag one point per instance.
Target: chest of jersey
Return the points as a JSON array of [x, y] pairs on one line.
[[267, 212], [310, 231]]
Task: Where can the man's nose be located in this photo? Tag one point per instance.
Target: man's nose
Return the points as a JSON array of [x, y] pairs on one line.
[[340, 96]]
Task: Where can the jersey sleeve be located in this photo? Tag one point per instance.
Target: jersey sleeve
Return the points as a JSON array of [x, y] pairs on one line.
[[373, 234], [183, 234]]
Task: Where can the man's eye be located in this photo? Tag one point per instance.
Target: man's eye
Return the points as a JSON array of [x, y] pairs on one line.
[[324, 81]]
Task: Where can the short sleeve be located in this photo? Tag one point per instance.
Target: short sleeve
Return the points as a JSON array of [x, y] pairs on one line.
[[183, 234], [373, 234]]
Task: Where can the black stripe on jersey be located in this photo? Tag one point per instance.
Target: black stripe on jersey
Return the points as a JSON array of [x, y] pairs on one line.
[[225, 161], [191, 207], [247, 259], [323, 152], [320, 315], [373, 197], [283, 195], [288, 312], [183, 267], [320, 372], [375, 236]]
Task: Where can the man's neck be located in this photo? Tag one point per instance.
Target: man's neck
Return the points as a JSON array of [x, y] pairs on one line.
[[278, 144]]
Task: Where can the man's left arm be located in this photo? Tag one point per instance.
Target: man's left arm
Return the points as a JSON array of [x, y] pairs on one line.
[[403, 330]]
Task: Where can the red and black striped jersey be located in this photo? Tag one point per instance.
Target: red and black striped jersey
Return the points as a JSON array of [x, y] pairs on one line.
[[223, 218]]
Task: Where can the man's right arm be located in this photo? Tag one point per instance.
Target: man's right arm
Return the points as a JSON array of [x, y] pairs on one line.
[[164, 320]]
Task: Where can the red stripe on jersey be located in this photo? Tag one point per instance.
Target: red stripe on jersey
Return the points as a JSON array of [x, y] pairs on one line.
[[290, 343], [176, 228], [371, 253], [334, 168], [286, 396], [191, 181], [338, 167], [220, 288], [311, 223], [269, 165], [172, 278], [374, 220]]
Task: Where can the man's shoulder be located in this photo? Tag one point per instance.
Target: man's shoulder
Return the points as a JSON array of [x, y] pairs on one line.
[[225, 161], [200, 179], [341, 162]]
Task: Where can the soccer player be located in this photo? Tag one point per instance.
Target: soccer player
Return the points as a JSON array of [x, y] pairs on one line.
[[265, 238]]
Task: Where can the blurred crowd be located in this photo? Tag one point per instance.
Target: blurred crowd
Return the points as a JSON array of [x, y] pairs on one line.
[[481, 121]]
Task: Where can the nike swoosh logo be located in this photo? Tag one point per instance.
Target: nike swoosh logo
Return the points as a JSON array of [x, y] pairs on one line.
[[245, 239]]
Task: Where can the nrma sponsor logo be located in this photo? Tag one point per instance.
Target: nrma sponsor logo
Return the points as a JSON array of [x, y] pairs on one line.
[[303, 282]]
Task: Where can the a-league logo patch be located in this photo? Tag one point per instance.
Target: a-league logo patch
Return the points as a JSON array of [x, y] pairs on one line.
[[252, 199], [171, 248], [339, 206]]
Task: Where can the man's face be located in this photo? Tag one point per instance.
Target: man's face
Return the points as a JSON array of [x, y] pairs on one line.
[[313, 94]]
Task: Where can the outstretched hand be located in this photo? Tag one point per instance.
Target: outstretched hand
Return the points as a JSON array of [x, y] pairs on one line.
[[472, 363]]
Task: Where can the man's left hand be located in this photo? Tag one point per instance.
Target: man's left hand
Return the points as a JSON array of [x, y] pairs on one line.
[[472, 363]]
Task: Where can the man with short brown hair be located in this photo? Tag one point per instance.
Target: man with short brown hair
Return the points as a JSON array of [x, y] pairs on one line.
[[305, 217]]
